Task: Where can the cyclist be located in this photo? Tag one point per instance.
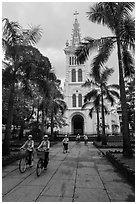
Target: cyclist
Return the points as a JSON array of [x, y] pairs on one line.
[[29, 146], [44, 146], [65, 144], [85, 139]]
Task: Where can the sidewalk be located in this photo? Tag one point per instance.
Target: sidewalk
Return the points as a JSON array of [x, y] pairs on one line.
[[83, 175]]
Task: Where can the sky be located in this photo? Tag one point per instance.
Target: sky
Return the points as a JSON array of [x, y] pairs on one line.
[[56, 20]]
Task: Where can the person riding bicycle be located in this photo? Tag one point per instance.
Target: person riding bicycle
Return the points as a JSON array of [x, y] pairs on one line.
[[44, 146], [29, 146], [85, 139], [65, 144]]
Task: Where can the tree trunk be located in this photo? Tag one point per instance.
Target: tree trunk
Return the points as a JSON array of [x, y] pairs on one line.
[[6, 145], [21, 131], [98, 132], [104, 139], [52, 124], [127, 150], [43, 117]]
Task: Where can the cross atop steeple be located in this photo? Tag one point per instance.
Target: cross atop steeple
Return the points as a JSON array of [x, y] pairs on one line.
[[75, 14]]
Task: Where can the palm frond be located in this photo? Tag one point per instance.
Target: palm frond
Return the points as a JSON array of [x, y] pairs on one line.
[[86, 104], [32, 35], [91, 112], [97, 14], [113, 86], [114, 93], [127, 32], [90, 94], [129, 69], [110, 98], [87, 83], [106, 74], [105, 109], [102, 56], [128, 7], [85, 48]]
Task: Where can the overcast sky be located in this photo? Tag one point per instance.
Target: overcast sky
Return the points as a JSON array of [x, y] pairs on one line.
[[56, 20]]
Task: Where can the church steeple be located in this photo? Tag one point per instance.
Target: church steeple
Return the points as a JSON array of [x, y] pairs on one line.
[[76, 31]]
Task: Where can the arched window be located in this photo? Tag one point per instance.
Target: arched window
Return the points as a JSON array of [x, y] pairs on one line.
[[70, 60], [80, 75], [79, 100], [73, 100], [73, 75]]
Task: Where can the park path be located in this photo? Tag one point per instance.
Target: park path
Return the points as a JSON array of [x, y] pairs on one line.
[[82, 175]]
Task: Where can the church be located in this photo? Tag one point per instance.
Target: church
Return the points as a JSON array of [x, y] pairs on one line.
[[78, 119]]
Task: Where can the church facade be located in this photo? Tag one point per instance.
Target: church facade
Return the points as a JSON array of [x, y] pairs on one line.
[[78, 119]]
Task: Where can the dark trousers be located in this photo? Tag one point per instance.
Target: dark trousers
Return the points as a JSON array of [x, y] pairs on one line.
[[65, 146], [29, 153], [46, 159]]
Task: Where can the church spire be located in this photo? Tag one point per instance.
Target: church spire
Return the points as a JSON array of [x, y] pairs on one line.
[[76, 31]]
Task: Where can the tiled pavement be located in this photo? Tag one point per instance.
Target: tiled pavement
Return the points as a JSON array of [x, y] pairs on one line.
[[82, 175]]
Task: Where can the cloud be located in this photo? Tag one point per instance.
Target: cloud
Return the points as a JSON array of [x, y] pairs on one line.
[[57, 59]]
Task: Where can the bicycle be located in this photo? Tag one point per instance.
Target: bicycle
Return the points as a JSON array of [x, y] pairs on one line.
[[24, 160], [40, 163], [65, 147]]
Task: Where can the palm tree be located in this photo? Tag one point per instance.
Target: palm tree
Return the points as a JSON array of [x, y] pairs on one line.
[[15, 41], [117, 17], [94, 101], [100, 92]]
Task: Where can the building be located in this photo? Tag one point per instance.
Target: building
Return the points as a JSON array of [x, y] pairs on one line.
[[78, 120]]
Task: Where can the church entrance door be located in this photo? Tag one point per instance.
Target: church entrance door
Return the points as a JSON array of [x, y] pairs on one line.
[[77, 124]]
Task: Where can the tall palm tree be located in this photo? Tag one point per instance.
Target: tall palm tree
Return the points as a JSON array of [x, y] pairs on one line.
[[117, 17], [15, 41], [101, 92]]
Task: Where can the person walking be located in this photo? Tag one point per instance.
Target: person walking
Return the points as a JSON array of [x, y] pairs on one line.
[[65, 144], [78, 138], [85, 139], [45, 146]]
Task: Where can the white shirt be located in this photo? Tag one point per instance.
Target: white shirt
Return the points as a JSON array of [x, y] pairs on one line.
[[45, 145]]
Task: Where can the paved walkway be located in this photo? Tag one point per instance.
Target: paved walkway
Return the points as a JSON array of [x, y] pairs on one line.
[[83, 175]]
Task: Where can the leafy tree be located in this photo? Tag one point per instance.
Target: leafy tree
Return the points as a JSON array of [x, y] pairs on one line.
[[17, 54], [117, 17], [57, 106]]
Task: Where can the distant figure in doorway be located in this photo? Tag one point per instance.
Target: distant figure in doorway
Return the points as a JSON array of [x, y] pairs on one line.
[[78, 138], [65, 144], [85, 139]]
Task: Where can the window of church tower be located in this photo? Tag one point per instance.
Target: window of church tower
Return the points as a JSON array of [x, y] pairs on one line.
[[73, 100], [73, 75], [79, 100], [70, 60], [80, 75], [75, 60]]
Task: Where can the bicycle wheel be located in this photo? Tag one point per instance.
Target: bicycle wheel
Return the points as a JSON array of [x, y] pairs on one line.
[[22, 165], [39, 167]]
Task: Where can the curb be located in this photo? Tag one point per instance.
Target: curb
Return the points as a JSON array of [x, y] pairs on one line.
[[124, 169]]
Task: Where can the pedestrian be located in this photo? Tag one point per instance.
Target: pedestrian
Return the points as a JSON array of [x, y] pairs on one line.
[[45, 146], [29, 147], [78, 138], [65, 144], [85, 139]]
